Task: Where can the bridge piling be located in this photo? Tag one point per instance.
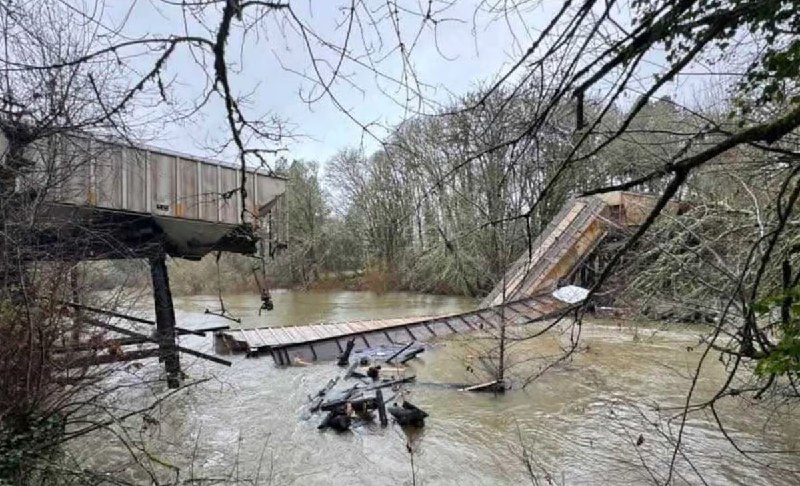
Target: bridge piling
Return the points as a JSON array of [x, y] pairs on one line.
[[165, 319]]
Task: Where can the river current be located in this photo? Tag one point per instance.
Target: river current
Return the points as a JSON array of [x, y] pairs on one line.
[[602, 417]]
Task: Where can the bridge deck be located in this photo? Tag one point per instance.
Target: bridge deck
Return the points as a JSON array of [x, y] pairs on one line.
[[325, 341], [569, 237]]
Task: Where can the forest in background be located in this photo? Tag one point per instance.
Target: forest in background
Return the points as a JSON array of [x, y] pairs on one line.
[[375, 221], [453, 195]]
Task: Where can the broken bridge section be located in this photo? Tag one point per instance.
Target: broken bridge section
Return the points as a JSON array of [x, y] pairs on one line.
[[565, 242], [326, 341], [523, 296]]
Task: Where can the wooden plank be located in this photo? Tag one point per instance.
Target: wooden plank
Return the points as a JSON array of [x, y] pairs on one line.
[[507, 312], [313, 330], [94, 360], [128, 332], [486, 321], [367, 326], [240, 338], [245, 337], [304, 333], [277, 336], [447, 323], [287, 336], [532, 305], [480, 387], [358, 327], [465, 321], [474, 321], [311, 333], [519, 308], [261, 337], [340, 329], [295, 335], [255, 338], [348, 328], [273, 335], [321, 331], [430, 329], [335, 330]]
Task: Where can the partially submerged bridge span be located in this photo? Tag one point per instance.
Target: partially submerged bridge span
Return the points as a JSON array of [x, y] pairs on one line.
[[523, 296]]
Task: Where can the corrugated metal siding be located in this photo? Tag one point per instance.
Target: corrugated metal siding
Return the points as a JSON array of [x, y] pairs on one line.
[[268, 189], [135, 180], [74, 170], [162, 181], [144, 180], [108, 175], [209, 195], [188, 199], [228, 208]]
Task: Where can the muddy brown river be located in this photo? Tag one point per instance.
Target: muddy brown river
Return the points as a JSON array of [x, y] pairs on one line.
[[579, 423]]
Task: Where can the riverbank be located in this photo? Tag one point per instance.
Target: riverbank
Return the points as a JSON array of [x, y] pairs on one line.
[[234, 274]]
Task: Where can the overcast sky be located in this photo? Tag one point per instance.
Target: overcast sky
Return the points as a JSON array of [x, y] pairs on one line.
[[467, 47], [274, 61]]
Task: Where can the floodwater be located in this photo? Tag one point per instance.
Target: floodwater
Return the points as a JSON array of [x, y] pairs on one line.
[[579, 423]]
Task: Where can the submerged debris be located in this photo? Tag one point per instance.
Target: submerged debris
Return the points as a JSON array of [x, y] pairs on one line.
[[408, 414], [351, 396], [494, 386], [338, 420], [571, 294], [388, 353], [344, 359]]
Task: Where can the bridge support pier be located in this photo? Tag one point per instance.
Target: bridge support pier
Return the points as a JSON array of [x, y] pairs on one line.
[[165, 320]]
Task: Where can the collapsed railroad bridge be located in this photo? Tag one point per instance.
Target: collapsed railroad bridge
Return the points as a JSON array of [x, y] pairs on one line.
[[565, 252], [115, 200]]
